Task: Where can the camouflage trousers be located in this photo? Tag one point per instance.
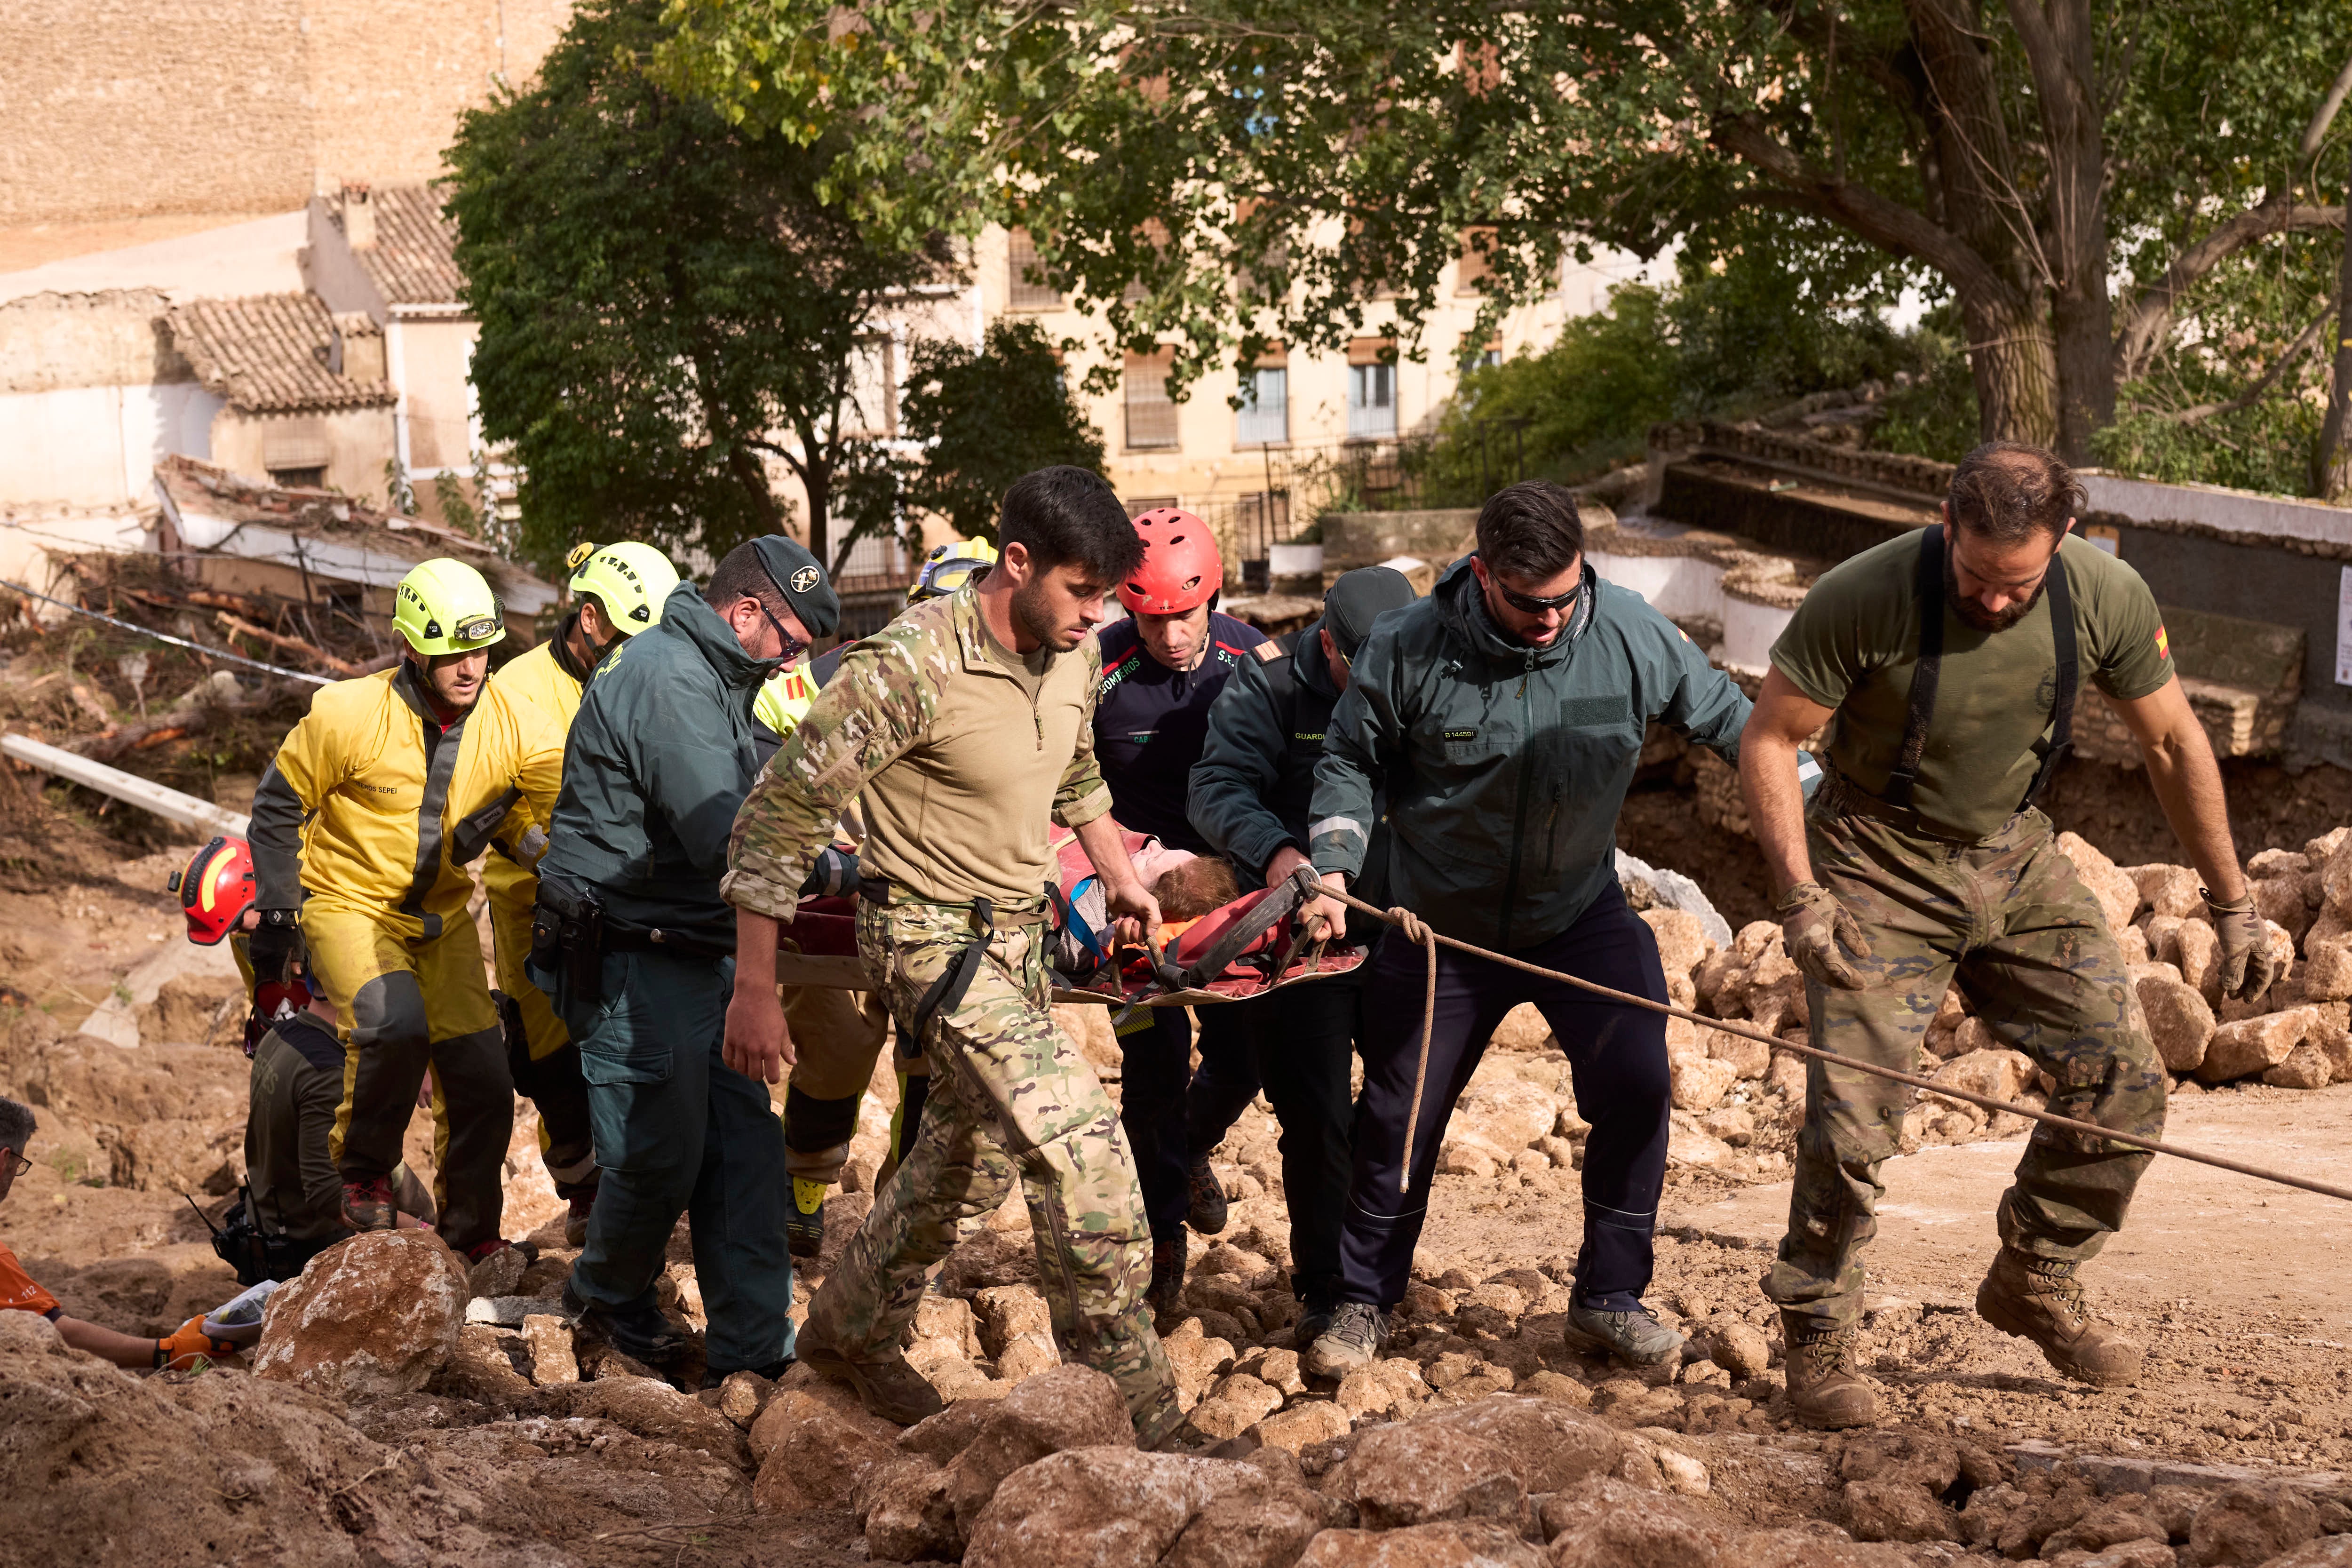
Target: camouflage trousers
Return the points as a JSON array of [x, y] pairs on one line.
[[1010, 1097], [2007, 920]]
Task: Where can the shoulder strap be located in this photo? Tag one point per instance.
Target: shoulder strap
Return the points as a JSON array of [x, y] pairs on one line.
[[1267, 652], [1930, 595], [2070, 674]]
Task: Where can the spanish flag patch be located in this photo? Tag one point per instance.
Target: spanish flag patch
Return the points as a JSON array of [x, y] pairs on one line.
[[2163, 643]]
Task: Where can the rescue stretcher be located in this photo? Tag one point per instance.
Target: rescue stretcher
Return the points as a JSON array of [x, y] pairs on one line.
[[1246, 948]]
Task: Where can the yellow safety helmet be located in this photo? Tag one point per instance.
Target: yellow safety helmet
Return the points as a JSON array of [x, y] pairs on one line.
[[446, 606], [949, 567], [628, 581]]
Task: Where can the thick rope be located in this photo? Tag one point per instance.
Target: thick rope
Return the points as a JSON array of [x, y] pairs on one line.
[[1418, 932], [1405, 920]]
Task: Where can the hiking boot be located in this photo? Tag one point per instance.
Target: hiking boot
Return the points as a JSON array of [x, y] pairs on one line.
[[890, 1389], [641, 1333], [1316, 1312], [804, 1222], [579, 1200], [1635, 1337], [368, 1205], [2039, 1299], [1358, 1336], [1208, 1212], [1167, 1274], [1822, 1394]]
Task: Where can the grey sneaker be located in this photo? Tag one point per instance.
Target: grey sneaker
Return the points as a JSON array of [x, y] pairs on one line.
[[1357, 1337], [1635, 1337]]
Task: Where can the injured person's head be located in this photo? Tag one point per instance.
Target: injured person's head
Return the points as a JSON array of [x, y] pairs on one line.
[[1193, 888]]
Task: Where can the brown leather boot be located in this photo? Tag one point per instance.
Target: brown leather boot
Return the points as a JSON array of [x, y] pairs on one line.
[[1822, 1394], [2039, 1299]]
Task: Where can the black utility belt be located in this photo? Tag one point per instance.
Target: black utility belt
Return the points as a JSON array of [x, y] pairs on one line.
[[656, 939], [880, 890]]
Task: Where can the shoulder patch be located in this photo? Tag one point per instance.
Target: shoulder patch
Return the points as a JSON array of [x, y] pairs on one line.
[[1269, 652]]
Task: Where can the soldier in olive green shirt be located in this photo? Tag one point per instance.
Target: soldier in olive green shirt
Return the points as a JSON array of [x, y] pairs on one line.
[[1947, 664]]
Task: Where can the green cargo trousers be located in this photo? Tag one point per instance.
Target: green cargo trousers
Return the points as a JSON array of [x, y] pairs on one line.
[[2008, 919], [1009, 1095]]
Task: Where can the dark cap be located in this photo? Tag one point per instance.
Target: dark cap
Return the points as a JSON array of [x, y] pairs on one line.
[[1358, 599], [801, 578]]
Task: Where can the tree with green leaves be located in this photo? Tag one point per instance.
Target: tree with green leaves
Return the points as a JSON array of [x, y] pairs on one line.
[[1222, 172], [669, 302], [979, 419]]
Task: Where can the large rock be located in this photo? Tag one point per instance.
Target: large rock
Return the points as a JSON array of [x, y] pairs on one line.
[[1454, 1543], [1683, 941], [2247, 1047], [2198, 952], [2000, 1074], [903, 1507], [2179, 1021], [374, 1315], [815, 1444], [2118, 892], [1549, 1445], [1417, 1474], [1116, 1508], [652, 1409], [1303, 1425], [2335, 880], [1508, 1113], [2306, 1067], [1749, 1058], [2328, 972], [2247, 1525], [2167, 889], [2279, 899], [1606, 1523], [1701, 1082], [1068, 1407]]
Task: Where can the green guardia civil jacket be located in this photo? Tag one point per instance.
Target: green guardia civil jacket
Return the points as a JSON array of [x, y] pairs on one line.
[[1504, 766], [659, 757]]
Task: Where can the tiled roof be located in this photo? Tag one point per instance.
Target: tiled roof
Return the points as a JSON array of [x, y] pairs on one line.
[[412, 261], [267, 354]]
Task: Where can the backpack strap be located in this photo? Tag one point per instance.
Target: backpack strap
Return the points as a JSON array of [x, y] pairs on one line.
[[2070, 674], [1930, 595]]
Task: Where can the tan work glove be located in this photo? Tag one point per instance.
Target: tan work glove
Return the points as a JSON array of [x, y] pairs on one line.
[[2247, 966], [1813, 924]]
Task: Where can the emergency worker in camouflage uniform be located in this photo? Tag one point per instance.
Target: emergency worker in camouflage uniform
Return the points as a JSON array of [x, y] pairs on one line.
[[1949, 662], [962, 728]]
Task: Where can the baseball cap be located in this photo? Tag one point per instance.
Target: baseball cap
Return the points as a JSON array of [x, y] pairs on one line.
[[801, 578], [1358, 599]]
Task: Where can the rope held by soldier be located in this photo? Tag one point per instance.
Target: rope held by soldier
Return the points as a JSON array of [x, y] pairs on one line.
[[1418, 931], [1405, 920]]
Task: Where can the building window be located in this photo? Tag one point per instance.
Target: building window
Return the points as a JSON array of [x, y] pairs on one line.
[[1372, 400], [301, 478], [1264, 416], [1137, 505], [1150, 412], [1027, 289]]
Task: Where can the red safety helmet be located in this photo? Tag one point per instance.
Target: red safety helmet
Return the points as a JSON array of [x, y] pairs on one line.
[[215, 890], [1180, 569]]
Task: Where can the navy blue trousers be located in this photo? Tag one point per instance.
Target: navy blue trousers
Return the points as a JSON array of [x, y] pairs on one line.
[[1617, 1055], [1155, 1082]]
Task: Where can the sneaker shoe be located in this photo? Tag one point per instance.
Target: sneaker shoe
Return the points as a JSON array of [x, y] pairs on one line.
[[1315, 1315], [642, 1334], [1635, 1337], [1167, 1274], [890, 1389], [1823, 1393], [804, 1224], [368, 1205], [1358, 1336], [1209, 1207], [2039, 1299]]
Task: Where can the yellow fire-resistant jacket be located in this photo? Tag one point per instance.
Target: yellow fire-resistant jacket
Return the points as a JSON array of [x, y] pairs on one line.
[[369, 800], [546, 681]]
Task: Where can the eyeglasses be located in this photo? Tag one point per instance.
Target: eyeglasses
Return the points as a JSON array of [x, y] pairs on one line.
[[1529, 605], [791, 647], [18, 1164]]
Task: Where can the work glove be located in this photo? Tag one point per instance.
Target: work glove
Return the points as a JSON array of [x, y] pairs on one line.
[[1813, 924], [2247, 966], [190, 1347], [272, 945]]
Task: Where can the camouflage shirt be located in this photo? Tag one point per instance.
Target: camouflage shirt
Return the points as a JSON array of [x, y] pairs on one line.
[[927, 718]]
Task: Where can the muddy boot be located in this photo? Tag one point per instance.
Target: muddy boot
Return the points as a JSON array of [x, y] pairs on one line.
[[1822, 1394], [890, 1389], [1167, 1274], [2039, 1299], [1209, 1207]]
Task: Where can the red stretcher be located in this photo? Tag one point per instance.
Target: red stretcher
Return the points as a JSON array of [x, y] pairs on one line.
[[1240, 949]]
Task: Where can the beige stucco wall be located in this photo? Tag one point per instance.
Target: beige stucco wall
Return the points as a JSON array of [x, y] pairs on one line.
[[429, 359], [358, 443], [122, 108]]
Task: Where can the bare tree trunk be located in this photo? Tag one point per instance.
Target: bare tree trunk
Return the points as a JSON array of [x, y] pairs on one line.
[[2331, 463], [2014, 363], [2058, 45]]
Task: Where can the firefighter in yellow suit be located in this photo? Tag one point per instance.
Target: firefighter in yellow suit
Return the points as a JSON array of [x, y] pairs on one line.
[[840, 1033], [362, 827], [616, 591]]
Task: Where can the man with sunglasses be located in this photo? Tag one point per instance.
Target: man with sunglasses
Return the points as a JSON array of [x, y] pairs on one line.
[[636, 948], [1502, 718]]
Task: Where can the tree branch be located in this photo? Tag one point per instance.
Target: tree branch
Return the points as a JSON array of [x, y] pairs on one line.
[[2150, 316], [2317, 132], [2264, 383]]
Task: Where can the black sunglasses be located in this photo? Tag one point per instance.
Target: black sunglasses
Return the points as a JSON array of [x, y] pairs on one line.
[[792, 648], [1530, 604]]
